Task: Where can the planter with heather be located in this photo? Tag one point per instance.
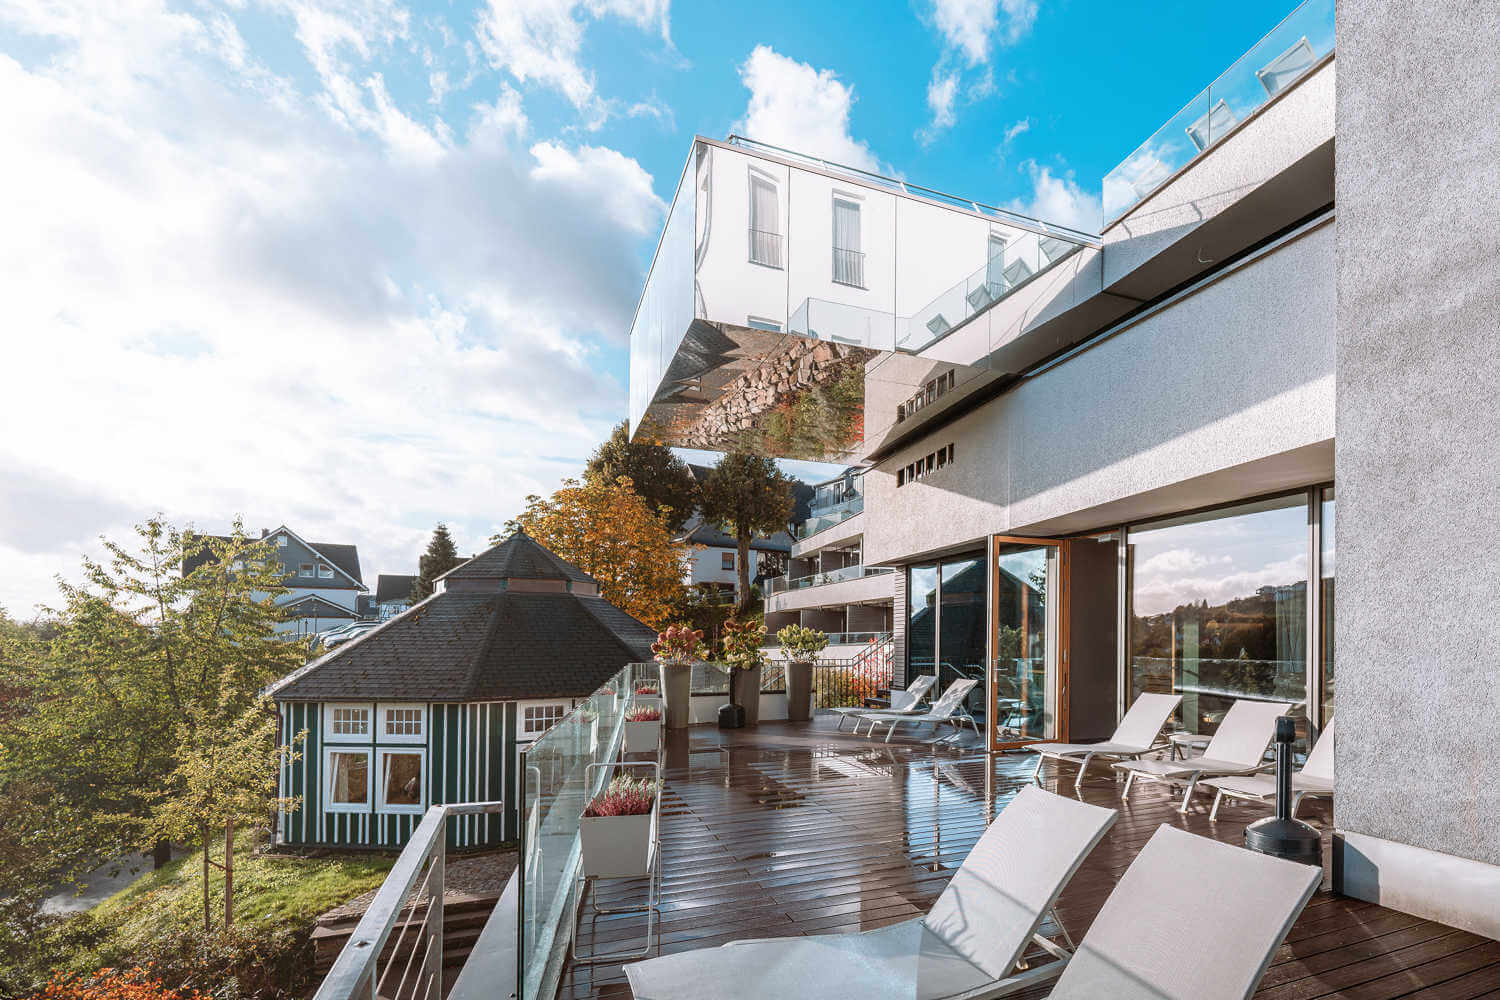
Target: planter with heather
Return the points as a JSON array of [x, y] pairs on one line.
[[742, 654], [675, 651], [646, 694], [801, 646], [618, 829], [643, 730]]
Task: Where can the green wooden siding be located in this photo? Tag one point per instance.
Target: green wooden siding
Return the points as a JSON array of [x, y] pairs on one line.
[[470, 757]]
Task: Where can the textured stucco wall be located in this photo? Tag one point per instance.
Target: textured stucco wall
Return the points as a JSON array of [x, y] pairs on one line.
[[1237, 373], [1418, 465]]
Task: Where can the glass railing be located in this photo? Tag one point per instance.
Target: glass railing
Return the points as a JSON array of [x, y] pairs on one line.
[[555, 785], [837, 514], [1276, 62], [781, 584]]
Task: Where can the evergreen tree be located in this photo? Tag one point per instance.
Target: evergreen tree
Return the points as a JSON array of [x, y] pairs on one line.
[[658, 476], [441, 556], [749, 496]]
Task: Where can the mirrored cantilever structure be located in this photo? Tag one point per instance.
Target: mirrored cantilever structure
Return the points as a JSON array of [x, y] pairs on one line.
[[785, 289]]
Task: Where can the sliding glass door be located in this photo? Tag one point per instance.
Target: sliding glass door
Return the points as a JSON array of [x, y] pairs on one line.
[[1026, 675]]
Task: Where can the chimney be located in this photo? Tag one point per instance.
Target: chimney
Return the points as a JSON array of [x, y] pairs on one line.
[[264, 532]]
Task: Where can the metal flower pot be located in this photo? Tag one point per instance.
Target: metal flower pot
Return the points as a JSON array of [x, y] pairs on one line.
[[745, 686], [677, 686], [799, 691]]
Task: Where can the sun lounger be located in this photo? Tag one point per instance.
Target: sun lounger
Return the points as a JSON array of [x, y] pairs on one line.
[[901, 701], [1239, 747], [948, 708], [1136, 734], [966, 947], [1315, 779]]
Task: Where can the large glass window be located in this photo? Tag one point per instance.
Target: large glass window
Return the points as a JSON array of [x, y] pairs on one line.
[[348, 774], [961, 643], [1325, 624], [921, 620], [401, 781], [1218, 608]]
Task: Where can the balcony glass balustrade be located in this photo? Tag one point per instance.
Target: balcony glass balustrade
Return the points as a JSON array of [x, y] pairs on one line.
[[782, 584], [1276, 62], [837, 514]]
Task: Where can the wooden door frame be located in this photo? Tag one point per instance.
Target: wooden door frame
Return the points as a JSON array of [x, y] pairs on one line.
[[1064, 616]]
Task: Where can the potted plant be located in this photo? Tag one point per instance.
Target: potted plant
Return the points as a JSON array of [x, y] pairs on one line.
[[587, 721], [801, 647], [642, 730], [617, 829], [647, 695], [675, 650], [743, 656]]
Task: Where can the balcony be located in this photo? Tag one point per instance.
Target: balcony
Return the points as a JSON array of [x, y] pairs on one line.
[[756, 323], [782, 584], [1295, 47], [830, 516]]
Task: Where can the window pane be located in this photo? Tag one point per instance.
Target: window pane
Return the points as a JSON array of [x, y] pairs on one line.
[[962, 623], [1219, 608], [1326, 596], [921, 620], [350, 783], [402, 779]]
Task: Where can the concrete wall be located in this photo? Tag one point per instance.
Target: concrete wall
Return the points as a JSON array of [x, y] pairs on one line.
[[1237, 376], [1418, 667]]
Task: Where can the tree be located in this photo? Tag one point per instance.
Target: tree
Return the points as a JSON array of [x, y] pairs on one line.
[[609, 532], [441, 556], [658, 476], [749, 496], [150, 664]]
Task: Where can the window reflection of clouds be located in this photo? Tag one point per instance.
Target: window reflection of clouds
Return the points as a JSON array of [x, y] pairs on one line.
[[1218, 560]]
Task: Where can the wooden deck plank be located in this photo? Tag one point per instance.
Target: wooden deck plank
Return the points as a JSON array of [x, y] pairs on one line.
[[799, 829]]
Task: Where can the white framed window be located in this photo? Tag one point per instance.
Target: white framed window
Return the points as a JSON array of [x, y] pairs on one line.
[[765, 221], [540, 716], [305, 569], [347, 722], [346, 780], [726, 560], [402, 724], [281, 541], [848, 255], [325, 572], [401, 785]]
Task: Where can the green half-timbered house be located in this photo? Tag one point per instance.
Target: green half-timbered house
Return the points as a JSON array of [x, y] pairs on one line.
[[434, 705]]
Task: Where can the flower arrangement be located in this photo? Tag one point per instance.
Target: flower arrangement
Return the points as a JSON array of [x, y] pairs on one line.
[[742, 642], [645, 714], [648, 688], [801, 644], [680, 643], [624, 797]]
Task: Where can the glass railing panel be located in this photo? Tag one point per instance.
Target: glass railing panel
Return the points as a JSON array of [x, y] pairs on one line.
[[555, 784], [836, 515], [666, 307], [844, 324], [780, 584], [1273, 64]]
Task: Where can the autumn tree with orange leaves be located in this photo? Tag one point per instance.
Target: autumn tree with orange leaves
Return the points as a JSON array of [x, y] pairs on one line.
[[609, 532]]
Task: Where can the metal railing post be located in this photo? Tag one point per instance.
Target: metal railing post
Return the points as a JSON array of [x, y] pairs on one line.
[[435, 897]]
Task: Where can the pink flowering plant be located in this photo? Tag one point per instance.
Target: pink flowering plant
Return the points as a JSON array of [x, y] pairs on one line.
[[643, 715], [624, 796], [742, 643], [647, 687], [680, 643]]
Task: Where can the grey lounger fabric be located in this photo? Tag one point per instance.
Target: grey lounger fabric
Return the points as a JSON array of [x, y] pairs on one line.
[[1135, 734], [1237, 748], [1315, 779], [908, 701], [1192, 919], [949, 706], [967, 946]]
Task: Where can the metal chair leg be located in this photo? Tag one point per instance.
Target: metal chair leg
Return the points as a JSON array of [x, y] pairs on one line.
[[1213, 814], [1187, 795], [1129, 779], [1082, 767]]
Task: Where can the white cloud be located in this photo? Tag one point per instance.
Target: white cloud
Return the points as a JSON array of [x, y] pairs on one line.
[[539, 41], [970, 29], [1017, 129], [801, 108], [225, 295], [1164, 587], [1057, 198], [941, 92]]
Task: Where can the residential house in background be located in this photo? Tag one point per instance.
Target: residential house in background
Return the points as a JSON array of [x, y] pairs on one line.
[[392, 595], [324, 588], [434, 705], [714, 567]]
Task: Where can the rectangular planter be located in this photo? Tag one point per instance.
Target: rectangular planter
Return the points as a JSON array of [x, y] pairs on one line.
[[642, 737], [646, 701], [618, 846]]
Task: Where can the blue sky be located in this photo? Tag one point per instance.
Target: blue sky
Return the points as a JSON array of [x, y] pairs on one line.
[[359, 265]]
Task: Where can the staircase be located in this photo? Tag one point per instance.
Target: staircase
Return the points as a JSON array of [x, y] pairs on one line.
[[464, 917]]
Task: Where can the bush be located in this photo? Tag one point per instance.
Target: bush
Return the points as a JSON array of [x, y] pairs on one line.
[[624, 797], [138, 983]]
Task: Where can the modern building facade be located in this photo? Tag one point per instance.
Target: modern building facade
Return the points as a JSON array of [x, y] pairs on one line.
[[1096, 466]]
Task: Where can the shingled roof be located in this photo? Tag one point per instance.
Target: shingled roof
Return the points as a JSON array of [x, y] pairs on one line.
[[490, 644], [391, 587]]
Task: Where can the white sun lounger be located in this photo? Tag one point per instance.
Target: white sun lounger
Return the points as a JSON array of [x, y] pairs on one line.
[[1136, 734], [1239, 747], [1315, 779], [966, 947], [947, 708], [1192, 919], [901, 701]]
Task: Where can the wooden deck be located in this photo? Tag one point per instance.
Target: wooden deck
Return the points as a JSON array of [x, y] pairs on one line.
[[796, 829]]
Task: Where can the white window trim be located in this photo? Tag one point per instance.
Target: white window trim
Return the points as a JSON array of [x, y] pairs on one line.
[[525, 731], [347, 807], [378, 776], [306, 570], [752, 174], [382, 737], [325, 571], [329, 736], [281, 541]]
